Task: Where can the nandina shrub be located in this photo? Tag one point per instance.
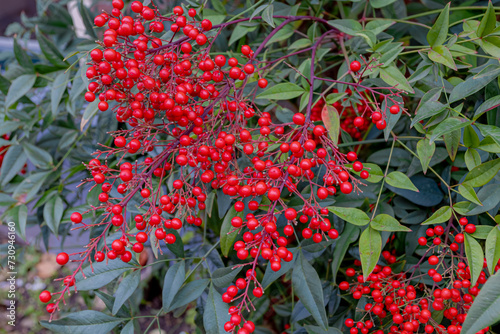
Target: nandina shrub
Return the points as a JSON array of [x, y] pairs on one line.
[[345, 169]]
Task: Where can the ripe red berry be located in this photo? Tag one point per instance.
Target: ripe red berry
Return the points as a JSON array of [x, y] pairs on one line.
[[257, 292], [394, 109], [470, 228], [433, 260], [62, 258], [45, 296], [262, 83], [99, 256], [76, 217], [50, 307], [355, 66]]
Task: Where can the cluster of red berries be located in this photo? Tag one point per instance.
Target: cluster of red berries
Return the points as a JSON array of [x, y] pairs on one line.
[[188, 133], [408, 300], [355, 119]]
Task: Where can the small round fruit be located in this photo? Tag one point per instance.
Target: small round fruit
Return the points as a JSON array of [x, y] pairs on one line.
[[45, 296], [62, 258], [355, 66]]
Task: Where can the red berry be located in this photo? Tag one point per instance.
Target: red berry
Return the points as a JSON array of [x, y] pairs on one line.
[[470, 228], [394, 109], [76, 217], [355, 66], [62, 258], [45, 296], [51, 307], [262, 83]]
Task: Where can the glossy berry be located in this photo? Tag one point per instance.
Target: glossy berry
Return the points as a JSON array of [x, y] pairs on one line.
[[355, 66], [62, 258]]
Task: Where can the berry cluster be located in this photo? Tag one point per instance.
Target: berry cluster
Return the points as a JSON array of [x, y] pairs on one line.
[[356, 118], [409, 298], [189, 128]]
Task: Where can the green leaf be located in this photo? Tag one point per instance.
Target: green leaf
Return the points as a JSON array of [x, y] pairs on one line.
[[6, 200], [19, 87], [467, 191], [223, 277], [429, 106], [472, 158], [22, 57], [282, 35], [492, 248], [188, 293], [447, 126], [53, 212], [126, 288], [331, 119], [282, 91], [475, 257], [334, 97], [370, 247], [400, 180], [216, 313], [488, 22], [18, 215], [128, 328], [50, 51], [384, 222], [379, 25], [267, 15], [300, 44], [441, 215], [471, 138], [486, 106], [452, 142], [439, 31], [349, 235], [178, 246], [172, 283], [393, 76], [102, 274], [318, 330], [388, 57], [307, 286], [425, 151], [57, 92], [109, 301], [13, 162], [38, 156], [491, 45], [488, 144], [441, 54], [381, 3], [482, 232], [89, 112], [87, 21], [83, 322], [473, 84], [226, 237], [368, 36], [490, 130], [348, 26], [483, 173], [214, 16], [351, 215]]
